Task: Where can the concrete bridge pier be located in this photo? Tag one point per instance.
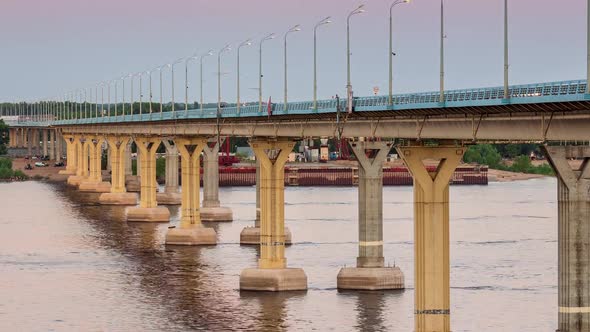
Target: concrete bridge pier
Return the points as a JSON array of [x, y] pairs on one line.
[[36, 137], [29, 141], [191, 230], [82, 163], [212, 209], [171, 194], [94, 181], [52, 144], [71, 156], [431, 234], [272, 273], [573, 194], [370, 272], [11, 137], [148, 209], [132, 181], [251, 235], [44, 141], [118, 194]]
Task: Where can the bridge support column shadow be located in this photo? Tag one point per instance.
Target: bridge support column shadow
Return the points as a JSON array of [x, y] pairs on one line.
[[431, 234], [148, 209], [251, 235], [573, 194], [171, 194], [212, 209], [81, 146], [118, 194], [272, 273], [370, 272], [191, 230]]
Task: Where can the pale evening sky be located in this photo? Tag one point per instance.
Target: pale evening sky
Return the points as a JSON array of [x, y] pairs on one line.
[[51, 47]]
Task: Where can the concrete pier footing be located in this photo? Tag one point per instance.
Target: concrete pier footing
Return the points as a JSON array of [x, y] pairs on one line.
[[379, 278], [273, 280], [169, 198], [251, 236], [218, 213], [75, 180], [191, 236], [118, 199], [95, 187], [154, 214]]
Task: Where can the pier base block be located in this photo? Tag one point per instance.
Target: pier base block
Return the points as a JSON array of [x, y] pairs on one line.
[[370, 278], [191, 236], [75, 180], [95, 187], [66, 172], [118, 199], [251, 235], [220, 214], [273, 280], [139, 214], [133, 183], [169, 198]]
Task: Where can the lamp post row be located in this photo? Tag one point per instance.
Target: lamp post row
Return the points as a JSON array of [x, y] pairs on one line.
[[77, 94]]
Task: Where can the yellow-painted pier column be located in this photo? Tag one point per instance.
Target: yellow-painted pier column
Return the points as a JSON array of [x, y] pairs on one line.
[[94, 181], [573, 195], [431, 234], [82, 161], [71, 156], [148, 209], [272, 273], [118, 194], [370, 272], [191, 231]]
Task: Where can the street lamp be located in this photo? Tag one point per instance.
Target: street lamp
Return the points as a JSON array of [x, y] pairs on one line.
[[172, 71], [268, 37], [161, 69], [358, 10], [315, 61], [293, 29], [140, 74], [186, 82], [227, 48], [442, 52], [131, 101], [397, 2], [210, 52], [123, 101], [506, 91], [246, 43], [149, 72]]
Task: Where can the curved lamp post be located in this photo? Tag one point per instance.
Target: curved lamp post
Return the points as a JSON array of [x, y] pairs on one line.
[[397, 2], [172, 78], [358, 10], [245, 43], [210, 52], [293, 29], [268, 37], [315, 61], [227, 48], [194, 56]]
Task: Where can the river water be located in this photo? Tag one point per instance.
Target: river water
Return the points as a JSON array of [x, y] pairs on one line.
[[67, 264]]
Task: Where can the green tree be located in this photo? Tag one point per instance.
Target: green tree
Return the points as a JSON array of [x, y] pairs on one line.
[[484, 154]]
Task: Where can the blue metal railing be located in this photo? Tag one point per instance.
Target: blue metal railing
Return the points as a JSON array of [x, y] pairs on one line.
[[528, 93]]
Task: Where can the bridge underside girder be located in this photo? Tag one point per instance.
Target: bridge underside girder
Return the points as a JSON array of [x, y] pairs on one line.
[[521, 128]]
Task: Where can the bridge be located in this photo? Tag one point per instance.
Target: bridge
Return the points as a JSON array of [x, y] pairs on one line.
[[419, 126]]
